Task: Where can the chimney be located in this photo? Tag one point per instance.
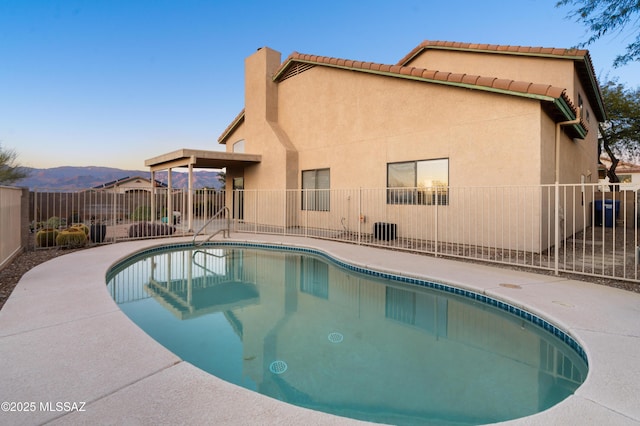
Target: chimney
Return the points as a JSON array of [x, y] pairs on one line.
[[261, 93]]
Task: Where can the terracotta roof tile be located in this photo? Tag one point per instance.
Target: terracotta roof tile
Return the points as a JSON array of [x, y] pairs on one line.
[[538, 89], [429, 74], [520, 86], [502, 83], [470, 79], [555, 92], [485, 81], [441, 75], [456, 78]]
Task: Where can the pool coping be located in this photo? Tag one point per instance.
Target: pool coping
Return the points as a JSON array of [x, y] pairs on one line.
[[49, 336]]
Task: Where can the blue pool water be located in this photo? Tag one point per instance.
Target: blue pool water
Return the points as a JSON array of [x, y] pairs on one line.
[[302, 328]]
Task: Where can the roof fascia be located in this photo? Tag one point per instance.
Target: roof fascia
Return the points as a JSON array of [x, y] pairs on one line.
[[594, 83], [568, 113], [284, 67], [230, 129]]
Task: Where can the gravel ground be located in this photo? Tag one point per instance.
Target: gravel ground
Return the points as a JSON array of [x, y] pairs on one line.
[[26, 260]]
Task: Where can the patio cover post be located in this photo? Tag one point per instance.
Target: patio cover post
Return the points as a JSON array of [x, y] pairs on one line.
[[153, 196], [169, 199], [190, 197]]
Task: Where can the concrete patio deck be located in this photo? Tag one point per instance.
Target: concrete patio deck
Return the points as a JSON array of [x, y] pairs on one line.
[[64, 340]]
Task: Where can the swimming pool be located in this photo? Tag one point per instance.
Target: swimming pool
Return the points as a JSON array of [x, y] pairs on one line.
[[294, 324]]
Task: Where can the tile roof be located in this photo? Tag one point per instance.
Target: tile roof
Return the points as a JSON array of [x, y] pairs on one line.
[[558, 103], [581, 57], [496, 48]]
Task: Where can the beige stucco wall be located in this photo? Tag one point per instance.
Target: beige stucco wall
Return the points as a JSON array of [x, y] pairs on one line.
[[553, 71], [356, 123]]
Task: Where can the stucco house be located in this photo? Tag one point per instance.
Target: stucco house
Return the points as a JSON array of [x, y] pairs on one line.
[[446, 115], [130, 184]]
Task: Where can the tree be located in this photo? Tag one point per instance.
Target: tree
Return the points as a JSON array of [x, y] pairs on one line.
[[10, 171], [607, 16], [222, 178], [620, 134]]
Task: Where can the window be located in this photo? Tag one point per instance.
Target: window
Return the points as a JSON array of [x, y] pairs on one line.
[[423, 182], [315, 190], [239, 146]]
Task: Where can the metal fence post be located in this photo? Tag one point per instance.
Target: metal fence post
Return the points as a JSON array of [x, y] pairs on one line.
[[556, 250], [435, 237], [360, 215]]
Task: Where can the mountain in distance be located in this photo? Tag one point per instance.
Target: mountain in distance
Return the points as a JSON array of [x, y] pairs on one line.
[[78, 178]]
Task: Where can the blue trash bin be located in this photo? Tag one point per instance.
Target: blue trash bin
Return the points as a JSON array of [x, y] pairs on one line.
[[606, 211]]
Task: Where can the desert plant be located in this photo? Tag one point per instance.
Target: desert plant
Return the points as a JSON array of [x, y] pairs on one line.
[[53, 222], [81, 226], [46, 237], [72, 238]]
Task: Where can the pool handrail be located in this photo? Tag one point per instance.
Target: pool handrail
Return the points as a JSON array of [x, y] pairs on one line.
[[207, 253], [226, 231]]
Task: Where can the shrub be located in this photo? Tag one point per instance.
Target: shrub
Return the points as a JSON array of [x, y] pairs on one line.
[[46, 237], [72, 238], [147, 229]]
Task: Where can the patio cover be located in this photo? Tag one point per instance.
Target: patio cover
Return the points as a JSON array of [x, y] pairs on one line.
[[201, 159]]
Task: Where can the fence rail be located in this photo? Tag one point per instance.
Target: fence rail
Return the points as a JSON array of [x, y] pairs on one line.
[[562, 228], [113, 215]]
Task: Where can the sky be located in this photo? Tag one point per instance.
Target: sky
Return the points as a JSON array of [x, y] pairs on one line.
[[115, 82]]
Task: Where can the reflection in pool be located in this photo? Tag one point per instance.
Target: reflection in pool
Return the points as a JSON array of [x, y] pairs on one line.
[[300, 328]]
